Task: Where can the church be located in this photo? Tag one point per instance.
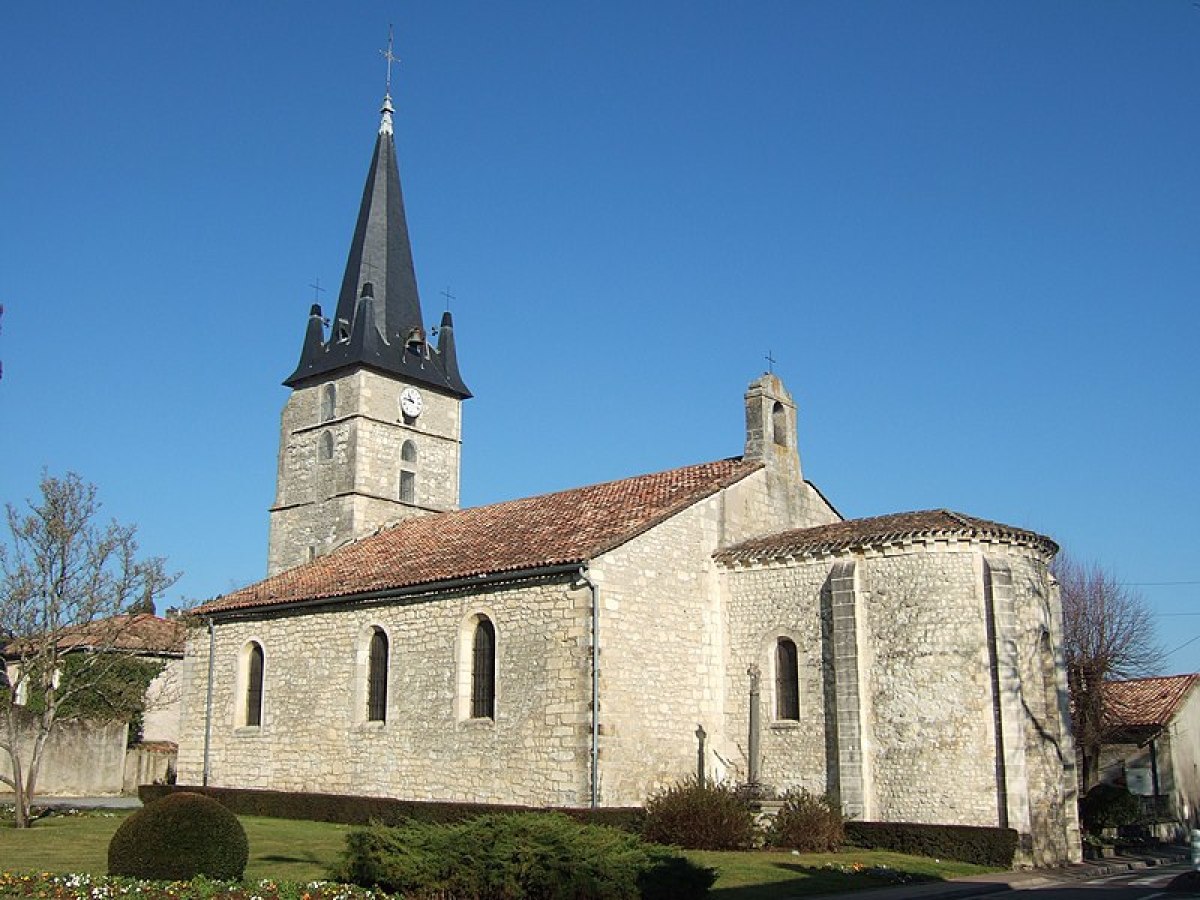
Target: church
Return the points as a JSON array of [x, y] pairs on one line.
[[591, 646]]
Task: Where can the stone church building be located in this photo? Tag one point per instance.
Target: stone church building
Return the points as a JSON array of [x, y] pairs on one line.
[[593, 645]]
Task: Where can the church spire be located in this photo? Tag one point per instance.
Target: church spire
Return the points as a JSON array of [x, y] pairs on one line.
[[386, 332]]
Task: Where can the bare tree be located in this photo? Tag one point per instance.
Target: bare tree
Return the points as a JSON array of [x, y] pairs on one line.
[[1108, 633], [66, 580]]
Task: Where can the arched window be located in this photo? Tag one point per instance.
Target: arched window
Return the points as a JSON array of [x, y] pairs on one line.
[[377, 677], [408, 474], [328, 402], [254, 685], [326, 445], [779, 424], [483, 671], [787, 681]]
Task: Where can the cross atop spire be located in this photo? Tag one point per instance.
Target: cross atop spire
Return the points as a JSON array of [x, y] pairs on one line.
[[385, 122]]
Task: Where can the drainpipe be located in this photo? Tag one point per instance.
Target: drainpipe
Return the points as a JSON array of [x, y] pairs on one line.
[[208, 701], [595, 760]]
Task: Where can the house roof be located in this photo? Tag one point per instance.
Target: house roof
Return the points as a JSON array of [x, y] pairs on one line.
[[1146, 702], [532, 533], [878, 530], [135, 633]]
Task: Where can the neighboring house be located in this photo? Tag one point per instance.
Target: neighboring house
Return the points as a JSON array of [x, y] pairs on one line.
[[86, 757], [1153, 746], [587, 646]]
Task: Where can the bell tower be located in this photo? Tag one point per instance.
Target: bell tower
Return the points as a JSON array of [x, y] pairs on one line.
[[372, 431]]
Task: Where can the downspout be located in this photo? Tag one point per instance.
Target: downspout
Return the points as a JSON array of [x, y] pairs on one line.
[[595, 748], [208, 701]]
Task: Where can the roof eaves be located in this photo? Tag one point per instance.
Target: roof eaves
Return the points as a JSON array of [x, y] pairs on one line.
[[549, 570]]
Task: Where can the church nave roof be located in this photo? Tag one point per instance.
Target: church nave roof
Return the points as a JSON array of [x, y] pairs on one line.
[[560, 529]]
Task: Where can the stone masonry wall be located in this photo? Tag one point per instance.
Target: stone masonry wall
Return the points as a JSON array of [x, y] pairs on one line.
[[322, 502], [313, 735], [929, 740], [663, 637]]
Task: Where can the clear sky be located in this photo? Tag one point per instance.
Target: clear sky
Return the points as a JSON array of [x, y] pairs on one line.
[[968, 233]]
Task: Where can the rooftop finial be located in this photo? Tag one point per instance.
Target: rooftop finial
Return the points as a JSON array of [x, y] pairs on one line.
[[385, 123]]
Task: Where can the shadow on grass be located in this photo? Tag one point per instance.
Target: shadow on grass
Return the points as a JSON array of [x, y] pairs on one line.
[[796, 880], [284, 858]]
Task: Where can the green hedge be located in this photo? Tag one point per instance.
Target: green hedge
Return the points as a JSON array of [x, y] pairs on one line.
[[966, 843], [524, 856], [348, 809]]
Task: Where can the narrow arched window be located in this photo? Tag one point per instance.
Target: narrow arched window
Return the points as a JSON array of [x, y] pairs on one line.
[[779, 424], [328, 402], [408, 474], [483, 671], [326, 445], [787, 680], [254, 686], [377, 677]]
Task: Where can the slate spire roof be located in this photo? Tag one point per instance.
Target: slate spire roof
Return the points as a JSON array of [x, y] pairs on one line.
[[533, 534], [378, 320]]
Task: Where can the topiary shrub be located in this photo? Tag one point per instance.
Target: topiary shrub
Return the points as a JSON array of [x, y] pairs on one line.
[[1108, 806], [700, 815], [177, 838], [547, 856], [810, 823]]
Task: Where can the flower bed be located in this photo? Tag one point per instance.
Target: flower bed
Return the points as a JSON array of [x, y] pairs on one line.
[[47, 886]]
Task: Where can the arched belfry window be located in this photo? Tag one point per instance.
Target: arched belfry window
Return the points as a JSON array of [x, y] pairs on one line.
[[408, 473], [787, 680], [254, 685], [377, 677], [483, 670], [328, 402], [779, 424]]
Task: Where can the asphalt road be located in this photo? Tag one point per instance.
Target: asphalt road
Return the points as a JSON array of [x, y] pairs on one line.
[[1140, 884]]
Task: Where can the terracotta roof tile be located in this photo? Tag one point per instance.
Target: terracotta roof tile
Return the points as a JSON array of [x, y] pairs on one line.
[[140, 632], [875, 531], [1142, 702], [534, 532]]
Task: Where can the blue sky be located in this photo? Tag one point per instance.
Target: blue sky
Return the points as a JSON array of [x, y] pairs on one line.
[[968, 232]]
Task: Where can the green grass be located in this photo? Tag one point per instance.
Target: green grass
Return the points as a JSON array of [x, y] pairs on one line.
[[292, 850], [762, 874], [281, 849]]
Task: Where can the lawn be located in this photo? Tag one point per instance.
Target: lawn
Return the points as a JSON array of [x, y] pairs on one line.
[[299, 851]]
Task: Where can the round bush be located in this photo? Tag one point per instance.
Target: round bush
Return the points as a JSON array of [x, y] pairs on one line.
[[1108, 806], [808, 823], [178, 837], [699, 815]]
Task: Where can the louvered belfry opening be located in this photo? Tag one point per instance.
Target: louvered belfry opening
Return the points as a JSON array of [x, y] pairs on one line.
[[377, 678], [254, 687], [483, 671], [787, 680]]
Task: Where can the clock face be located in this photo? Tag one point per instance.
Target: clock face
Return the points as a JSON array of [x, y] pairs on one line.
[[411, 402]]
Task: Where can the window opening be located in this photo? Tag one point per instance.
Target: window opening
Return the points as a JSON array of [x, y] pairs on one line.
[[779, 424], [328, 402], [377, 677], [483, 671], [254, 687], [787, 681]]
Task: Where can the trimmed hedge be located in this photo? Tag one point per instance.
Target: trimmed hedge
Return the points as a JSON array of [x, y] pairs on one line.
[[178, 837], [966, 843], [540, 856], [348, 809]]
